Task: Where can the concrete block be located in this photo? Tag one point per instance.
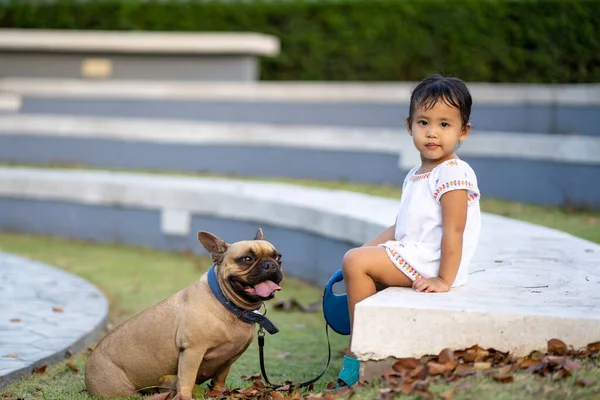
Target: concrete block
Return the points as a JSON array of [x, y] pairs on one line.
[[133, 55]]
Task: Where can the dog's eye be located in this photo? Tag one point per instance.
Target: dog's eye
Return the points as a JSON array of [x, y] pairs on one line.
[[247, 259], [278, 258]]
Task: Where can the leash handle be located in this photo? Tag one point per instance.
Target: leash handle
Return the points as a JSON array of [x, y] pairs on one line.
[[261, 344]]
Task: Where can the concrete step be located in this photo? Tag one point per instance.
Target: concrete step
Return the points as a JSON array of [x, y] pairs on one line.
[[546, 169], [511, 108]]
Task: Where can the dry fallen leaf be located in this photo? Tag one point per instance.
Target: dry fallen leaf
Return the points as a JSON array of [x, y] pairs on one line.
[[594, 346], [283, 355], [213, 393], [57, 309], [277, 396], [537, 355], [505, 370], [436, 368], [584, 382], [445, 356], [12, 355], [450, 365], [15, 320], [556, 346], [41, 369], [331, 386], [407, 388], [420, 373], [404, 364], [464, 370], [503, 378], [73, 367], [526, 363], [482, 366]]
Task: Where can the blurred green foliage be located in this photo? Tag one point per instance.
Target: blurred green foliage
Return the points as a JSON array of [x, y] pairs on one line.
[[371, 40]]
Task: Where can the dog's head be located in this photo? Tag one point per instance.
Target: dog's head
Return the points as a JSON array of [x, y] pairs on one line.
[[249, 272]]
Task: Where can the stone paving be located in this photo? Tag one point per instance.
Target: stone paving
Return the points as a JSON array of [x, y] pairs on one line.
[[44, 312]]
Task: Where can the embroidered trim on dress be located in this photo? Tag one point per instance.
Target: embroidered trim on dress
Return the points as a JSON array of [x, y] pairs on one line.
[[457, 184], [400, 262], [420, 177]]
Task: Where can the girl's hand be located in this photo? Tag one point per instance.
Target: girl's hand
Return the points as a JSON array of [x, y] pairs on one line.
[[430, 285]]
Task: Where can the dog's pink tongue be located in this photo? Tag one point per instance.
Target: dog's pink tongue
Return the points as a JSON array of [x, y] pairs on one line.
[[266, 288]]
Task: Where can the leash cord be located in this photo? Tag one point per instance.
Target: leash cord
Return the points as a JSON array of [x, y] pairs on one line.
[[261, 344]]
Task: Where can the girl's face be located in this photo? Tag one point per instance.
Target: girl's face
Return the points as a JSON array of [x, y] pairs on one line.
[[437, 131]]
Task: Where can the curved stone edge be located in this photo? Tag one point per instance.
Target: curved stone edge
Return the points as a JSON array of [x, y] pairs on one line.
[[60, 352], [81, 344]]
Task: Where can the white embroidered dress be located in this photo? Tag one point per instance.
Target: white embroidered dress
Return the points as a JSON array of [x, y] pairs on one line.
[[416, 249]]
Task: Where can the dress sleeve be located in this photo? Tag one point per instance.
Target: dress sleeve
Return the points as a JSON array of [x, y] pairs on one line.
[[455, 175]]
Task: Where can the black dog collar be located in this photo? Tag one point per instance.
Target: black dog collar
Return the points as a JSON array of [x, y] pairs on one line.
[[248, 316]]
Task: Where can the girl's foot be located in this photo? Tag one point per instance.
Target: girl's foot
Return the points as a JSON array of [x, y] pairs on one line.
[[349, 373]]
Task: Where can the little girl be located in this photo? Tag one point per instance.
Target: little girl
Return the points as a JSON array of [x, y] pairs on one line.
[[436, 231]]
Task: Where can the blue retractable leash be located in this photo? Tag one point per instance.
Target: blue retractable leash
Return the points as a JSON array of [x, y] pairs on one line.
[[335, 306], [335, 311]]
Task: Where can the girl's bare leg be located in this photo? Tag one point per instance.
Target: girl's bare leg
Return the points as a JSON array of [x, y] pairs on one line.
[[364, 267]]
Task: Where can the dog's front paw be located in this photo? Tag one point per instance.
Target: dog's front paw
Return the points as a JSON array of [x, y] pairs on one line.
[[180, 396]]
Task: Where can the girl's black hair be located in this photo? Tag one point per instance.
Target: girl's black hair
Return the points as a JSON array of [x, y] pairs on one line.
[[452, 91]]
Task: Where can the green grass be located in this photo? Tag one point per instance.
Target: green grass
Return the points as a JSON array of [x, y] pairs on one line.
[[134, 278]]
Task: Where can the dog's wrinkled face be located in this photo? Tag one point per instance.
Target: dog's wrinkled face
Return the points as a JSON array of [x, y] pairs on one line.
[[249, 272]]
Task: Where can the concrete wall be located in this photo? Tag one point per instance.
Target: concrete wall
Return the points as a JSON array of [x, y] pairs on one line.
[[241, 68]]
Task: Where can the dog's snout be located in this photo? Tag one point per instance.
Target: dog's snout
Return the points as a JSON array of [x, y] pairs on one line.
[[269, 266]]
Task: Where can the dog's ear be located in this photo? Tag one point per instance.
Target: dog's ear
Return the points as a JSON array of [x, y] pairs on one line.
[[215, 246], [259, 235]]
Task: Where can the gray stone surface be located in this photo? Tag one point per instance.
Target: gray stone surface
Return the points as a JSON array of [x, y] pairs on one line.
[[44, 311]]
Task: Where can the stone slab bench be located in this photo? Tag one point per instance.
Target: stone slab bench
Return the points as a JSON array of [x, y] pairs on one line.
[[561, 165], [527, 283], [133, 55], [45, 313]]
